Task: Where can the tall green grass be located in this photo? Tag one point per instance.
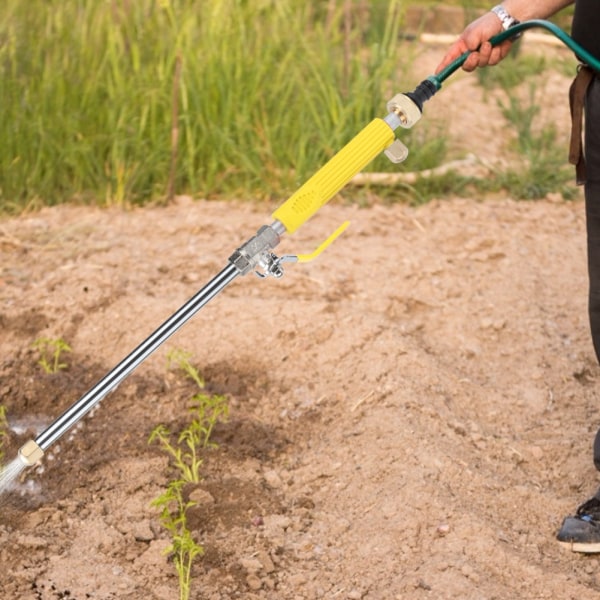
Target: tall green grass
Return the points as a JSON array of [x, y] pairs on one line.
[[124, 101]]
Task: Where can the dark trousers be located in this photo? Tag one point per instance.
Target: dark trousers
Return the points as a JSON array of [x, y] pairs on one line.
[[592, 212], [592, 206]]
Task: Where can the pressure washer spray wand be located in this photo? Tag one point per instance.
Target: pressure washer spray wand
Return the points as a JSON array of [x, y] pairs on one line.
[[257, 253]]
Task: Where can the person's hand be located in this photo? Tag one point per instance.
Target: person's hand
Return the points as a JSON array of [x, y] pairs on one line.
[[475, 38]]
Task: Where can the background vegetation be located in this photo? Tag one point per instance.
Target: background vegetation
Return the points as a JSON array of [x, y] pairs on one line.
[[126, 101]]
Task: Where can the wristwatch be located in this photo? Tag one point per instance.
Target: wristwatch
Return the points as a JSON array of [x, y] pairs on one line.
[[506, 19]]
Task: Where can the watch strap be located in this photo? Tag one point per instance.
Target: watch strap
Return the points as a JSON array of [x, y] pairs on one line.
[[505, 18]]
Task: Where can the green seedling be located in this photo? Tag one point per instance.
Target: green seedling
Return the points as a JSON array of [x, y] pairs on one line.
[[182, 360], [185, 454], [186, 459], [184, 549], [207, 411], [51, 351]]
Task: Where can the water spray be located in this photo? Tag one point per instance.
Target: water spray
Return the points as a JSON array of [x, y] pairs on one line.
[[257, 256]]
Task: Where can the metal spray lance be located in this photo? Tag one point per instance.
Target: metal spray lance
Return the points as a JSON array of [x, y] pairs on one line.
[[256, 255]]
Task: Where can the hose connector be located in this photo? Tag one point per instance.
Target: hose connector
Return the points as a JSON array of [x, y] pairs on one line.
[[403, 112], [406, 109], [423, 92]]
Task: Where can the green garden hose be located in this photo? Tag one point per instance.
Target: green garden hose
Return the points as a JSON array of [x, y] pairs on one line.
[[432, 84], [568, 41]]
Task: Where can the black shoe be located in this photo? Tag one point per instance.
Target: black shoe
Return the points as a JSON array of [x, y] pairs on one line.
[[581, 533]]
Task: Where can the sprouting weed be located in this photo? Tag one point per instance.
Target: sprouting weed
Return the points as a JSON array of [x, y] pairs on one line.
[[51, 350], [181, 359], [184, 549], [185, 460], [207, 410], [185, 454]]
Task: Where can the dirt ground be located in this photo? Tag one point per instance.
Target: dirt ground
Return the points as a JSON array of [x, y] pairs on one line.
[[411, 415]]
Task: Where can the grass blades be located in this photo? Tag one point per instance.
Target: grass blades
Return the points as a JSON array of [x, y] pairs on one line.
[[122, 102], [265, 92]]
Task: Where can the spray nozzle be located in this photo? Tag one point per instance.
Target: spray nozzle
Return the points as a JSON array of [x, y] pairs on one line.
[[30, 453]]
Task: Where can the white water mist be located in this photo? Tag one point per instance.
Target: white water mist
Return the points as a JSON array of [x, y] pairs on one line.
[[9, 473]]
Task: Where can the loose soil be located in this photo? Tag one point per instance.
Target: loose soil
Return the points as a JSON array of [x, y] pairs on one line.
[[411, 414]]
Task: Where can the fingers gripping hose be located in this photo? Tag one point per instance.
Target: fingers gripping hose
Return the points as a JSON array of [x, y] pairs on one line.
[[515, 30]]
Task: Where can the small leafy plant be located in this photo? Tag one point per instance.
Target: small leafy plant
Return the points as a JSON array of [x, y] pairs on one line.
[[51, 351], [178, 358], [185, 453], [184, 549]]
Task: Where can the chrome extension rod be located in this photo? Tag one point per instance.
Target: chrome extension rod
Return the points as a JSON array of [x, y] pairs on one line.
[[112, 379], [252, 255], [255, 255]]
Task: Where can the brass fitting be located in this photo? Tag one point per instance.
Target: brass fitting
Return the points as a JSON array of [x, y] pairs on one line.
[[30, 453]]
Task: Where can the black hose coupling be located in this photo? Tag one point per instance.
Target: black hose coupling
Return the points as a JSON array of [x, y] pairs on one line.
[[406, 109], [425, 90]]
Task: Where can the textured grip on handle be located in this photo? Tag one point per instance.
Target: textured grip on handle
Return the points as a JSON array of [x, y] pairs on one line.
[[334, 175]]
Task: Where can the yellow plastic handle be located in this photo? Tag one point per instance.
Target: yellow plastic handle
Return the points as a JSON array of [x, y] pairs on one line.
[[334, 175], [302, 258]]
